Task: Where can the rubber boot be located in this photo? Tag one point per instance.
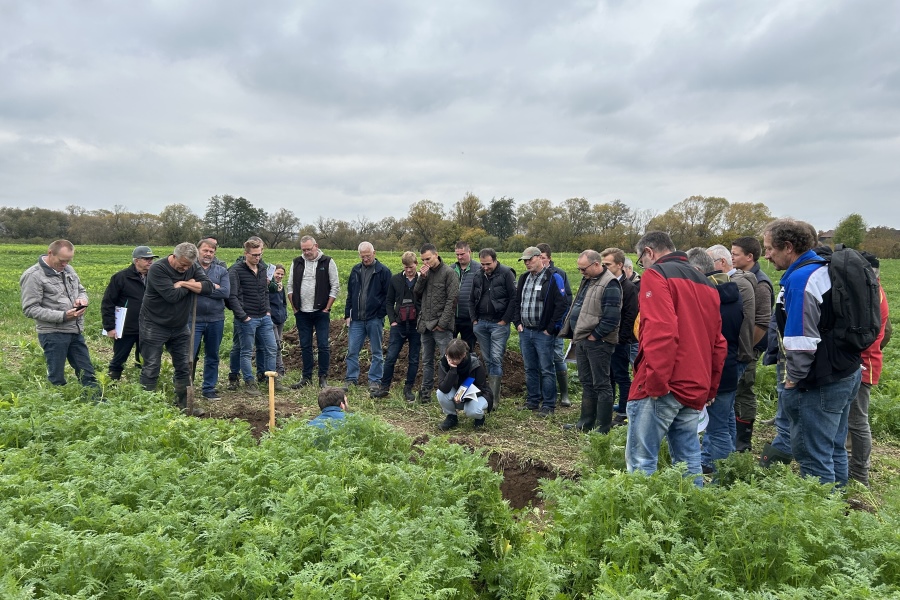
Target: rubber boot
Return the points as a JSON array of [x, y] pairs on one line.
[[494, 384], [562, 379], [604, 417], [744, 435], [588, 416], [772, 455]]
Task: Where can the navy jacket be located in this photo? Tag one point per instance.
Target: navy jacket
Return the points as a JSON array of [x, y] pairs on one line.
[[376, 296]]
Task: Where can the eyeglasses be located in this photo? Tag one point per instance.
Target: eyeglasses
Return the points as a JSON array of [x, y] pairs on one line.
[[147, 258], [583, 269], [256, 255], [641, 257]]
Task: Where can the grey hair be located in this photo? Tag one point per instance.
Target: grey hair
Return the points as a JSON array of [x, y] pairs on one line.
[[186, 250], [658, 241], [698, 258], [629, 264], [364, 246], [591, 255], [308, 238], [720, 252]]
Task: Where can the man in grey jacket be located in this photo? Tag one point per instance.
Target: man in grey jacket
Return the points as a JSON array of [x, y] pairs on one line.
[[53, 296]]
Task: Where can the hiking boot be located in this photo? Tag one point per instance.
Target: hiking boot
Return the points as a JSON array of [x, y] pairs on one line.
[[302, 383], [197, 412], [408, 394], [544, 412], [251, 388], [323, 381], [449, 422], [233, 382], [375, 388], [380, 392], [425, 397], [527, 406], [279, 387], [620, 420], [478, 423]]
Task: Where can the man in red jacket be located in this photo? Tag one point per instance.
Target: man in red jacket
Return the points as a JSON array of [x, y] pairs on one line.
[[680, 357]]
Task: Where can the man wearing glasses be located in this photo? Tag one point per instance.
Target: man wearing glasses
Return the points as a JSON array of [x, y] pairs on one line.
[[171, 285], [126, 289], [593, 325], [249, 300], [539, 313], [491, 305], [680, 357]]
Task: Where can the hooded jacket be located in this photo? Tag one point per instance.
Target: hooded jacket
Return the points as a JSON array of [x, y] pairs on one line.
[[682, 349]]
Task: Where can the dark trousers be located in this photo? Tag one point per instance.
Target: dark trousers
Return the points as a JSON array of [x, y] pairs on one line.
[[121, 349], [176, 341], [399, 334], [319, 322], [593, 371], [619, 375], [463, 328], [61, 347]]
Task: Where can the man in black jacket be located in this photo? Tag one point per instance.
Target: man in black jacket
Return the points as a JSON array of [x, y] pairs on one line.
[[169, 296], [126, 289], [364, 314], [249, 300], [491, 306], [559, 361], [539, 312], [403, 311]]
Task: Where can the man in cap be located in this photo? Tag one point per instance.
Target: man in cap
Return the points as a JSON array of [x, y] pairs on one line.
[[53, 296], [540, 309], [126, 290]]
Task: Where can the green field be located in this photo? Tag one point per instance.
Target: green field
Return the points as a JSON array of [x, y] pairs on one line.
[[129, 499]]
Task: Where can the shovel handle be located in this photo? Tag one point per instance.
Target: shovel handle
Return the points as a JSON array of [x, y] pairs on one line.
[[271, 375]]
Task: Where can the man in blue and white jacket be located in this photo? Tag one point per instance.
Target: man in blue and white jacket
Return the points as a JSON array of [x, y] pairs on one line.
[[820, 379]]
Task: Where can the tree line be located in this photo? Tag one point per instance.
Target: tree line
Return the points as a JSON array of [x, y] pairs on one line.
[[571, 225]]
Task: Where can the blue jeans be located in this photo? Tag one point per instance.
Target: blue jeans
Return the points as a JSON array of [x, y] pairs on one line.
[[430, 340], [359, 331], [211, 334], [649, 421], [259, 330], [718, 442], [540, 378], [60, 347], [818, 418], [559, 355], [176, 340], [400, 333], [619, 375], [307, 322], [474, 409], [492, 340]]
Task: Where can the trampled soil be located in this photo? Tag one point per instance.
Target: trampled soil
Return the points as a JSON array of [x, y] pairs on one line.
[[513, 367]]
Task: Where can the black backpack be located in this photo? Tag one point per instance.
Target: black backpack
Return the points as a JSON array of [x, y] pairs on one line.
[[855, 299]]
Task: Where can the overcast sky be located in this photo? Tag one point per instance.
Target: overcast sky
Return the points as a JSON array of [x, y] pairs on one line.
[[360, 108]]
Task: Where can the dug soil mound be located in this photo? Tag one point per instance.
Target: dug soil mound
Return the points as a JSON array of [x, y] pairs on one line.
[[513, 367]]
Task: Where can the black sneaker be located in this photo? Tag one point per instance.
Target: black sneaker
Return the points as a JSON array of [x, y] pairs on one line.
[[323, 381], [408, 394], [478, 423], [620, 420], [544, 412], [531, 407], [213, 395]]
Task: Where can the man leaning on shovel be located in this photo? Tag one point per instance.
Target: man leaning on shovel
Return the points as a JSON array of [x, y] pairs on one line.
[[172, 286]]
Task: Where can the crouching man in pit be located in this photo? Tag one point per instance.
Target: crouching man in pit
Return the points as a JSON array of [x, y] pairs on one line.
[[456, 367]]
